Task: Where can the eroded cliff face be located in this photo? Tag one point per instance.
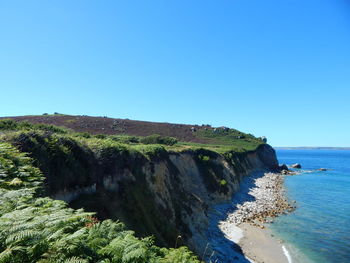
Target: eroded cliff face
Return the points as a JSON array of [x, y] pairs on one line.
[[169, 196]]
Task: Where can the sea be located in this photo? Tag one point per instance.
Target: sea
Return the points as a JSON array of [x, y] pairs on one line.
[[319, 229]]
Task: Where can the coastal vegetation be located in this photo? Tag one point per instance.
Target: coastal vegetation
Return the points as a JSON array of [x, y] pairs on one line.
[[38, 160], [54, 148], [34, 228], [174, 137]]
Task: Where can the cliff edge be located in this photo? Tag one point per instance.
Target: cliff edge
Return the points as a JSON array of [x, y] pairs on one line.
[[154, 189]]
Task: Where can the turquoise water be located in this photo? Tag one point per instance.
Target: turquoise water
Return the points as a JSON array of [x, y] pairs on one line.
[[319, 229]]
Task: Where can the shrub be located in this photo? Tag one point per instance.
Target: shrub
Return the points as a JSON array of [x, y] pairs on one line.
[[48, 128], [157, 139], [151, 151], [11, 125], [83, 134], [125, 139], [40, 229], [204, 158], [100, 136], [8, 124], [223, 182]]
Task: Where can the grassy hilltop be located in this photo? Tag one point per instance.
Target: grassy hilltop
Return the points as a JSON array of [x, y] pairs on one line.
[[221, 139]]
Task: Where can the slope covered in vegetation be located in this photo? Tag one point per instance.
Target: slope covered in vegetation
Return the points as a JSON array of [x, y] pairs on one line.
[[144, 181], [220, 138], [34, 228]]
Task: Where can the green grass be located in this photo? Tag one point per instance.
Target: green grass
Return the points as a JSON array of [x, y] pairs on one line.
[[68, 158], [218, 148], [227, 139], [219, 140], [11, 125]]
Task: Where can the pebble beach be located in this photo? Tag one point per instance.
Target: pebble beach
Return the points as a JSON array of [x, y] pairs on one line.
[[266, 201], [261, 198]]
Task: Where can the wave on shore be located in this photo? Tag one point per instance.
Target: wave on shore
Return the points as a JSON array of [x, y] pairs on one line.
[[237, 230], [285, 251]]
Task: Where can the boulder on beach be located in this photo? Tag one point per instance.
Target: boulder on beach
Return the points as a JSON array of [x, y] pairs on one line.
[[283, 167], [296, 166]]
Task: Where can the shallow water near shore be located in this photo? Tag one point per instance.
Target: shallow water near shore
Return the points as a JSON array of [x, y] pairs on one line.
[[319, 229]]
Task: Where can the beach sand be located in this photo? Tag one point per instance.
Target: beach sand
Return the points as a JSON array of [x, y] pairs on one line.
[[261, 246], [260, 199]]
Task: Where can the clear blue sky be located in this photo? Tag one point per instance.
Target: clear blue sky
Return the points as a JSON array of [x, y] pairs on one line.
[[274, 68]]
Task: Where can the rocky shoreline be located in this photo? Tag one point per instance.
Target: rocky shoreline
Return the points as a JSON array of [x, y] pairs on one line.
[[240, 235], [266, 200]]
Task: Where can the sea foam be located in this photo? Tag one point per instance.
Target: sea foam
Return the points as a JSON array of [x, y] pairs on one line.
[[285, 251]]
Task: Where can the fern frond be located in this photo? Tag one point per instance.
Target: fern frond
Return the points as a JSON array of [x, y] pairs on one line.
[[75, 260]]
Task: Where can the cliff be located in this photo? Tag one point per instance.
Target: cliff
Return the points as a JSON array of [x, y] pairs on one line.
[[166, 195], [159, 190]]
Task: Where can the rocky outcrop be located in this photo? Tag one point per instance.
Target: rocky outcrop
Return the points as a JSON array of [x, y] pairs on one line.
[[167, 195], [267, 155], [296, 166], [171, 196]]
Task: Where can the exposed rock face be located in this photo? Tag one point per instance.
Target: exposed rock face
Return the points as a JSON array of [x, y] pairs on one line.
[[171, 196], [165, 196], [283, 167], [267, 155], [296, 166], [264, 139]]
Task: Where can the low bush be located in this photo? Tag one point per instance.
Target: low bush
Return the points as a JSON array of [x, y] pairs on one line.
[[157, 139], [223, 182], [83, 134], [204, 158], [125, 139], [11, 125], [40, 229], [100, 136]]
